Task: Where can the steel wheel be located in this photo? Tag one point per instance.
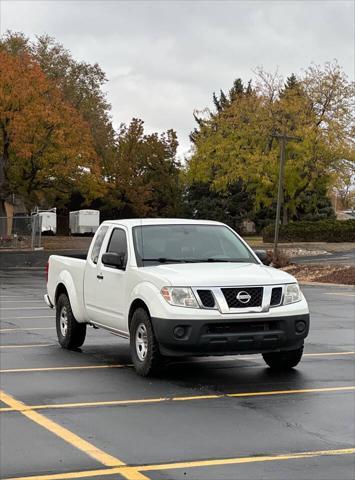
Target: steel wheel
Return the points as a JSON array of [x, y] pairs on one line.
[[141, 342], [146, 356], [63, 321]]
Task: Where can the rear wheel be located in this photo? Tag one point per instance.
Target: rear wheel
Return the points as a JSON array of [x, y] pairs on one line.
[[71, 334], [146, 357], [283, 360]]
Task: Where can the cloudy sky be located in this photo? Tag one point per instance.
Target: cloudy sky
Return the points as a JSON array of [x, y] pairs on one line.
[[164, 59]]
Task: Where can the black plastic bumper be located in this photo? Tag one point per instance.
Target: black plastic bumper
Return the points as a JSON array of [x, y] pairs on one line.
[[230, 337]]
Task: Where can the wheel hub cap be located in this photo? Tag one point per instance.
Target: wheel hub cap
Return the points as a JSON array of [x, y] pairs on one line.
[[63, 321], [141, 342]]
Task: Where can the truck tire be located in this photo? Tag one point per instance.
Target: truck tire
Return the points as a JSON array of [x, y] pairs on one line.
[[71, 334], [283, 360], [146, 357]]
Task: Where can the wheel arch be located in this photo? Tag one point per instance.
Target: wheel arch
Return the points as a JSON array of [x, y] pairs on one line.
[[61, 288], [137, 303], [71, 284]]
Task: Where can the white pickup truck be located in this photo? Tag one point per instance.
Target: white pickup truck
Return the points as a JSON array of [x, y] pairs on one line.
[[177, 287]]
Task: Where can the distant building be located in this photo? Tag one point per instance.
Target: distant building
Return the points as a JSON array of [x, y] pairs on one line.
[[248, 226]]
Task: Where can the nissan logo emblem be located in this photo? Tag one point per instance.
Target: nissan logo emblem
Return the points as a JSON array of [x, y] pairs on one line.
[[243, 297]]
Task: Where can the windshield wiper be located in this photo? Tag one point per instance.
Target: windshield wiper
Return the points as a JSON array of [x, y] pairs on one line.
[[225, 260], [197, 260], [164, 260]]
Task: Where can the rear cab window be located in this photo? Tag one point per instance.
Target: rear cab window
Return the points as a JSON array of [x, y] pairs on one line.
[[98, 244]]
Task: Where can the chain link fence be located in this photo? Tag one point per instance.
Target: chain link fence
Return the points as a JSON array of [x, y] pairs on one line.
[[21, 232]]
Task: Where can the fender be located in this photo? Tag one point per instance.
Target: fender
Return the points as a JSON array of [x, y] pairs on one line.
[[75, 297], [151, 296]]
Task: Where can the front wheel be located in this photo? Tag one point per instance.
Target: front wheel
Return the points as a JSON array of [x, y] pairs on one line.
[[283, 360], [71, 334], [146, 357]]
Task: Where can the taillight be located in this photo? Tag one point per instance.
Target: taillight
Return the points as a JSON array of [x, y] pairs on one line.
[[47, 271]]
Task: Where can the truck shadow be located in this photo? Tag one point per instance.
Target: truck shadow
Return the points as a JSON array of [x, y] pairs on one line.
[[227, 376], [216, 374]]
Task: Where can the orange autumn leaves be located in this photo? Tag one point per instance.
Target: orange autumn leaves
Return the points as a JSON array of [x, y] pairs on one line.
[[46, 148]]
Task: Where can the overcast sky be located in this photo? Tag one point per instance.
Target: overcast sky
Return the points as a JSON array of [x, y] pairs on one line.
[[163, 59]]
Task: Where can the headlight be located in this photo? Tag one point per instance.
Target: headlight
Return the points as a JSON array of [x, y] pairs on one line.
[[179, 296], [292, 293]]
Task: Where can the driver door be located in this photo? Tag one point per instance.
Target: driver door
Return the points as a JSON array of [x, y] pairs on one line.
[[110, 285]]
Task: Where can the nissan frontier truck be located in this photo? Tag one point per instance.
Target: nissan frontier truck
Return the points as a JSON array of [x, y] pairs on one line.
[[177, 288]]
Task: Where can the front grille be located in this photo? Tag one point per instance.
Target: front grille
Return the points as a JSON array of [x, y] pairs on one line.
[[255, 293], [242, 327], [276, 296], [207, 298]]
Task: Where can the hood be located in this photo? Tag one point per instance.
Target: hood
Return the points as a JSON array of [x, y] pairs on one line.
[[219, 274]]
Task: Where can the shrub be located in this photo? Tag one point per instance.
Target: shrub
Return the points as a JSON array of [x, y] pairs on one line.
[[321, 231], [281, 260]]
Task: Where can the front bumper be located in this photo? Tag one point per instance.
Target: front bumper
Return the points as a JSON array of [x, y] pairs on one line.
[[231, 336]]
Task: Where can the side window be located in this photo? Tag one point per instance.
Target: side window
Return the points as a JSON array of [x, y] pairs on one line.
[[118, 243], [98, 242]]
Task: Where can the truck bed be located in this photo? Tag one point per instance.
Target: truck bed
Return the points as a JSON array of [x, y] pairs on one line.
[[80, 256], [69, 270]]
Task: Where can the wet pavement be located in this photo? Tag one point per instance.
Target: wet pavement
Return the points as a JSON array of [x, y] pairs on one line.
[[86, 414]]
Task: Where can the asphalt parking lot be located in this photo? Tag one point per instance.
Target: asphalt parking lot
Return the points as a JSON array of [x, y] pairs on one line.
[[338, 258], [86, 414]]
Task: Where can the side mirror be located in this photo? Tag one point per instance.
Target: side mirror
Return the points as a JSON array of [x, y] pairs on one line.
[[263, 256], [112, 259]]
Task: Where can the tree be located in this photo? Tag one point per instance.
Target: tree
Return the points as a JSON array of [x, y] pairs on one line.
[[237, 141], [143, 179], [45, 146], [231, 206], [80, 84], [74, 154], [343, 182]]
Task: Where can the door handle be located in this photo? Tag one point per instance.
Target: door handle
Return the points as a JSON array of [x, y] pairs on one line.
[[100, 277]]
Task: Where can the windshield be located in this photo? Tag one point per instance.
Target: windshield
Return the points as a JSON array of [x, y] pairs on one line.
[[157, 244]]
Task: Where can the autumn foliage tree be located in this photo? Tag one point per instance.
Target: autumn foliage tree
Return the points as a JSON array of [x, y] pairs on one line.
[[79, 82], [45, 146], [65, 151], [143, 179], [236, 141]]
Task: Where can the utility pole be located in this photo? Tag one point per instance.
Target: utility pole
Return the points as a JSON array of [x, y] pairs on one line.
[[283, 140]]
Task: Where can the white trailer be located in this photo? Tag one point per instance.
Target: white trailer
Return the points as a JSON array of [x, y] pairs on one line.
[[83, 222], [48, 220]]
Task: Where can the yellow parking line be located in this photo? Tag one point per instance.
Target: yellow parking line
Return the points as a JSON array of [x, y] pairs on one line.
[[29, 345], [10, 330], [70, 475], [109, 403], [292, 392], [195, 397], [70, 437], [191, 464], [239, 460], [70, 367]]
